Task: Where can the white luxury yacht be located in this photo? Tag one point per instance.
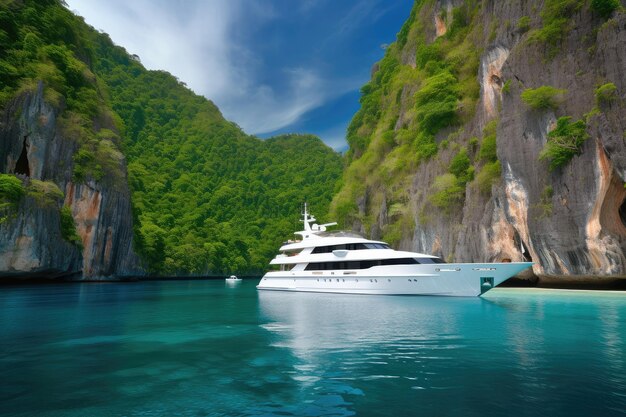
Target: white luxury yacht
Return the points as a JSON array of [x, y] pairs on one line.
[[343, 262]]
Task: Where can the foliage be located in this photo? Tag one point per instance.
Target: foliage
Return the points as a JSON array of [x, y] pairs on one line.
[[428, 53], [11, 190], [488, 175], [564, 142], [605, 93], [523, 24], [543, 98], [488, 149], [460, 20], [604, 7], [361, 127], [436, 102], [490, 172], [68, 227], [449, 189], [556, 23], [506, 88], [422, 104], [473, 143], [45, 193], [447, 192], [206, 197], [425, 146], [547, 192], [461, 167], [406, 27]]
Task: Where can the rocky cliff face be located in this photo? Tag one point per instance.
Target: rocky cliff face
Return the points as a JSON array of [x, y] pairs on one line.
[[571, 221], [34, 146]]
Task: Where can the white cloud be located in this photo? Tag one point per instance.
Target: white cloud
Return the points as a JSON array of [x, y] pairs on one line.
[[268, 110], [355, 16], [197, 41], [177, 40]]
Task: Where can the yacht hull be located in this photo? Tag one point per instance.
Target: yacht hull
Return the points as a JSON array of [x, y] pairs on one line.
[[468, 280]]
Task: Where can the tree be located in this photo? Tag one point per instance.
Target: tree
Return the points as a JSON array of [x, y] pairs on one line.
[[604, 7], [564, 142], [543, 98]]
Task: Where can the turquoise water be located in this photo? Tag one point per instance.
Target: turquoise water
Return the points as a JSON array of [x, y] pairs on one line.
[[201, 348]]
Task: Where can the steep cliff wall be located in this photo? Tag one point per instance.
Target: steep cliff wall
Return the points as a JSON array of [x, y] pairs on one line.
[[35, 146], [422, 174]]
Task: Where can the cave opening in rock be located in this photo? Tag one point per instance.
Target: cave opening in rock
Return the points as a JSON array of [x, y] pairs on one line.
[[526, 253], [496, 80], [523, 248], [22, 167]]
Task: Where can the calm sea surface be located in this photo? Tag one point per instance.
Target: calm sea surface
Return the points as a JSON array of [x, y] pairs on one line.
[[201, 348]]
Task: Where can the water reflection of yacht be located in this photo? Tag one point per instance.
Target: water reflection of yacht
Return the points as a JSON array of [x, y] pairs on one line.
[[343, 262]]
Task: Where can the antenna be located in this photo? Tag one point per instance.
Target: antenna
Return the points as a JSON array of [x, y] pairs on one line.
[[308, 228]]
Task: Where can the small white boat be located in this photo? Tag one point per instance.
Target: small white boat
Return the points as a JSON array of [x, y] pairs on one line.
[[233, 278]]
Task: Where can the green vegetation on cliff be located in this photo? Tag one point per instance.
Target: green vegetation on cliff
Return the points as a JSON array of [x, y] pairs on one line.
[[68, 227], [564, 142], [606, 93], [557, 22], [411, 107], [45, 193], [604, 7], [11, 190], [543, 98], [207, 197]]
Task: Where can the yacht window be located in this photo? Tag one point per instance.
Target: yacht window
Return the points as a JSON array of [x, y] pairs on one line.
[[376, 246], [349, 246], [430, 261], [321, 266], [399, 261]]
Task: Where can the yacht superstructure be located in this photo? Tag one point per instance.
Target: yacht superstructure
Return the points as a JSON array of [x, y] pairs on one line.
[[343, 262]]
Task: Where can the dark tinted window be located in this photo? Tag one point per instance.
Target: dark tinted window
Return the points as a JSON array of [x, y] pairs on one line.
[[400, 261], [349, 246], [430, 260], [321, 266], [376, 246]]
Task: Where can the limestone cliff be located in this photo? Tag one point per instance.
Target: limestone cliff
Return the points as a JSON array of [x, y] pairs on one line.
[[35, 146], [437, 190]]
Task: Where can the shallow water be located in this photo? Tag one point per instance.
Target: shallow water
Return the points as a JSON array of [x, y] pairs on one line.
[[203, 348]]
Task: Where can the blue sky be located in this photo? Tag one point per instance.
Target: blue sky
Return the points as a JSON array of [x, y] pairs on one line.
[[271, 66]]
